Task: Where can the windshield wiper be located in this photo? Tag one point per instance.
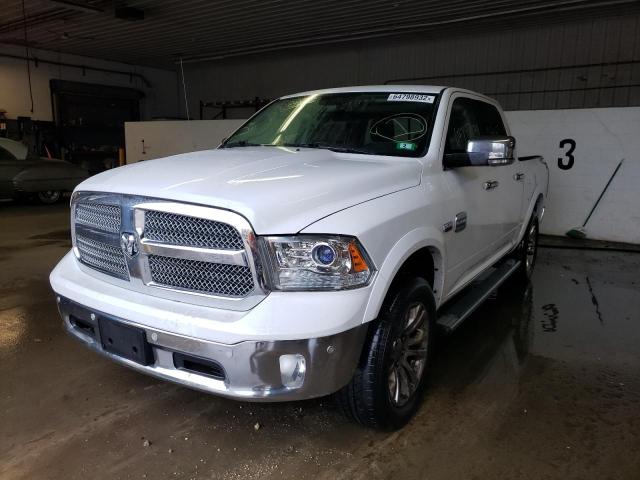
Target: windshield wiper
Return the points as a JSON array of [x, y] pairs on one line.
[[325, 146], [241, 143]]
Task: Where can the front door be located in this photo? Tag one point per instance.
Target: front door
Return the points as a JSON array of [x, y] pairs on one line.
[[487, 200]]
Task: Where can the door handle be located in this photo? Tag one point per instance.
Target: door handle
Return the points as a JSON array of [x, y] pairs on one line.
[[518, 176], [490, 185], [460, 221]]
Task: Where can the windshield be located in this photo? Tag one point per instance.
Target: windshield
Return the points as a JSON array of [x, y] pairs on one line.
[[391, 123]]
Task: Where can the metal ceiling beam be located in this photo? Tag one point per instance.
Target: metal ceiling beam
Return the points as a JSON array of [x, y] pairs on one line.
[[385, 32], [80, 7], [201, 30], [222, 39]]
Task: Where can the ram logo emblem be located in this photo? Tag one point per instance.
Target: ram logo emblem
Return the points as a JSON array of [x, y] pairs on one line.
[[129, 244]]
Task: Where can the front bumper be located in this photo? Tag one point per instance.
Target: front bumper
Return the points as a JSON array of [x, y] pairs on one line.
[[281, 315], [251, 369]]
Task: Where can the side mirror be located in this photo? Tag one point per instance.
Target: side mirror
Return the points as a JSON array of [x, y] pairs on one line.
[[493, 151], [483, 151]]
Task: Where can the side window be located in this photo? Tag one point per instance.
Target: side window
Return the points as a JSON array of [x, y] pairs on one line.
[[471, 119], [489, 120], [462, 126]]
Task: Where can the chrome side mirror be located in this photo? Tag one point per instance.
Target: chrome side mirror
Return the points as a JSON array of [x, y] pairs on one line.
[[493, 151]]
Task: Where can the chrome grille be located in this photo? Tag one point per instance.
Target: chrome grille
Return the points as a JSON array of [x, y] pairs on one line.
[[103, 257], [164, 227], [185, 252], [203, 277], [99, 215]]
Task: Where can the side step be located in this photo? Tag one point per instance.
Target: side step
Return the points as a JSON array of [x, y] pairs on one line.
[[455, 312]]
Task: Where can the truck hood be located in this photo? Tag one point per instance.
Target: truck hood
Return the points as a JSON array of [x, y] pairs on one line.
[[279, 190]]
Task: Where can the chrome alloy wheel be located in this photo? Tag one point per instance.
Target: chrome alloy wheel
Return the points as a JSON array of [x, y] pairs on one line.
[[409, 355], [531, 246]]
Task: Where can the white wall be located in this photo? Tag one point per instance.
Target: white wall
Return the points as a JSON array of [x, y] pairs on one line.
[[165, 138], [603, 136], [161, 98]]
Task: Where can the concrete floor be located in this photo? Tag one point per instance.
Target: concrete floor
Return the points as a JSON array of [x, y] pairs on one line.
[[542, 383]]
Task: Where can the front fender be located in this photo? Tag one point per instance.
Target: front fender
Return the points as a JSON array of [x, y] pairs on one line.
[[424, 237], [391, 228]]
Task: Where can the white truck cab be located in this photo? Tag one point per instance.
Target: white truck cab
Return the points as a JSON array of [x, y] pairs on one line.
[[314, 252]]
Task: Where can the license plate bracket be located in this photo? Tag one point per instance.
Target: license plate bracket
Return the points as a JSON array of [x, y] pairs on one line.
[[125, 341]]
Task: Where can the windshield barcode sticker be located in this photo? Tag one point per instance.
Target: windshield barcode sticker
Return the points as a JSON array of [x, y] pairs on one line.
[[410, 97]]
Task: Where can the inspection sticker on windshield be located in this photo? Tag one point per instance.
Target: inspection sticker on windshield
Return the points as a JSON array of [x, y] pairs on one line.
[[406, 146], [410, 97]]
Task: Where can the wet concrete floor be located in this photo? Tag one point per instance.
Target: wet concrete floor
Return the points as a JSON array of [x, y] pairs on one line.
[[542, 383]]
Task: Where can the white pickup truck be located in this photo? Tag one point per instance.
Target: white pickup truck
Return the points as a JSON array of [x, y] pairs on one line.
[[314, 252]]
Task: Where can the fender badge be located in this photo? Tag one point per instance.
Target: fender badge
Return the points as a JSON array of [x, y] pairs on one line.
[[447, 227]]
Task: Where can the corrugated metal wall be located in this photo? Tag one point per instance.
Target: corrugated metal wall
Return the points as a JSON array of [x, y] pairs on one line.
[[579, 64]]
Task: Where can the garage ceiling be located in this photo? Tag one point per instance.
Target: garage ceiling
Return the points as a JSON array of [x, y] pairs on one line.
[[203, 29]]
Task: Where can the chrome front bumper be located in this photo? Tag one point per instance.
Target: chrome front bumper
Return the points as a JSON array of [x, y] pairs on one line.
[[251, 369]]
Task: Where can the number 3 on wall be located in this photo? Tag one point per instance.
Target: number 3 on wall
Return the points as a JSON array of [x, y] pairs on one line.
[[567, 162]]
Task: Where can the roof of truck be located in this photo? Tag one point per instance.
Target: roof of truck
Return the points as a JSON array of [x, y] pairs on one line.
[[424, 89], [431, 89]]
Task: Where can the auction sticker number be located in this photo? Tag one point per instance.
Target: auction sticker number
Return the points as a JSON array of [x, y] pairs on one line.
[[410, 97]]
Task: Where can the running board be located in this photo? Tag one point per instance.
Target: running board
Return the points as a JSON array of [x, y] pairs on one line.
[[455, 312]]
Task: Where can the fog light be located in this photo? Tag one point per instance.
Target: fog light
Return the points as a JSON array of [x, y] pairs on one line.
[[292, 370]]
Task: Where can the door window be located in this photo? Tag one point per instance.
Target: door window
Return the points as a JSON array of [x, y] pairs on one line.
[[471, 119]]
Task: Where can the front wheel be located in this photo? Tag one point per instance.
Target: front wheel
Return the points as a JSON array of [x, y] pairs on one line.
[[49, 197], [387, 386]]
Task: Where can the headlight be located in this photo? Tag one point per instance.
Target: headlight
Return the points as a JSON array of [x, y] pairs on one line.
[[316, 262]]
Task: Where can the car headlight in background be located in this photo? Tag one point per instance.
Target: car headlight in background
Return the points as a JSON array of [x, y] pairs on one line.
[[316, 262]]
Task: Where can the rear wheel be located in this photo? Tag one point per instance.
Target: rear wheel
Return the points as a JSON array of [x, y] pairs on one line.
[[527, 252], [49, 197], [387, 386]]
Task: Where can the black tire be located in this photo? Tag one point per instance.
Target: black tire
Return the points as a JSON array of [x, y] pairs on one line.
[[368, 398], [49, 197], [527, 251]]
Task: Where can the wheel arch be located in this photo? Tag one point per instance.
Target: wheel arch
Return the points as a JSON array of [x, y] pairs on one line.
[[539, 204], [423, 258], [535, 208]]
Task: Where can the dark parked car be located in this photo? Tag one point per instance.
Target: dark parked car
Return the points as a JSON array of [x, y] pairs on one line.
[[25, 175]]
